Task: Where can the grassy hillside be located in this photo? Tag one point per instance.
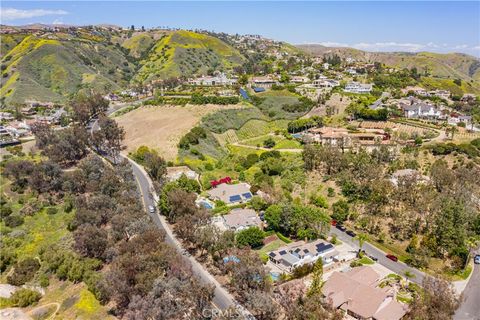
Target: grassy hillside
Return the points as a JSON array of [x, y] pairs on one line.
[[51, 69], [139, 44], [184, 53]]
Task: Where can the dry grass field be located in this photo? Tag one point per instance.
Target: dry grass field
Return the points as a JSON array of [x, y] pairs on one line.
[[161, 127]]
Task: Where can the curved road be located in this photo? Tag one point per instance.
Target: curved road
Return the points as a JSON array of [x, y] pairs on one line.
[[222, 299]]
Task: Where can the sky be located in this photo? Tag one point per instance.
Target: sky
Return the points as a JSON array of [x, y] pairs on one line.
[[373, 26]]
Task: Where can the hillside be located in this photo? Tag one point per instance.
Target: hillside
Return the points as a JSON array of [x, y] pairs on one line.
[[51, 67], [184, 53], [444, 66]]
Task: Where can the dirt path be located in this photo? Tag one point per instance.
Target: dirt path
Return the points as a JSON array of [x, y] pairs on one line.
[[52, 316]]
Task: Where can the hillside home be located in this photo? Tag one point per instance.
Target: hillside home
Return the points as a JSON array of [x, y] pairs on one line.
[[420, 110], [416, 90], [355, 292], [240, 219], [299, 253], [6, 116], [231, 193], [444, 94], [351, 71], [328, 136], [455, 119], [325, 83], [299, 79], [262, 82], [218, 80], [174, 173], [355, 87]]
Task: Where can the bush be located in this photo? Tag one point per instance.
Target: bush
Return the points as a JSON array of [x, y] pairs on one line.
[[319, 201], [330, 192], [25, 297], [52, 210], [23, 272], [269, 143], [5, 211], [252, 237], [44, 281], [13, 221], [340, 210]]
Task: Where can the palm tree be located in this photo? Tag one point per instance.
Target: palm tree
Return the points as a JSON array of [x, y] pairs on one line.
[[361, 238]]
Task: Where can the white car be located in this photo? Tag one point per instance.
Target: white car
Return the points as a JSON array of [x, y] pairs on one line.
[[151, 209]]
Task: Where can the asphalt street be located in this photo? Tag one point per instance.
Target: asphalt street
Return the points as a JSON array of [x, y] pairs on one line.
[[397, 267], [222, 299], [470, 304]]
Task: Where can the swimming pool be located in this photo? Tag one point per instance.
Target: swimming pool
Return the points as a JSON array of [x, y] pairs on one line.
[[275, 276]]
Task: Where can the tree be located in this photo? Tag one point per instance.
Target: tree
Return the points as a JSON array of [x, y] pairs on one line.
[[85, 107], [317, 282], [269, 143], [182, 203], [340, 210], [23, 271], [437, 301], [471, 243], [90, 241], [24, 297], [252, 237], [361, 238], [109, 137]]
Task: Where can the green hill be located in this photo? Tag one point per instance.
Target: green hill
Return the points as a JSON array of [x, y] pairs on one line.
[[184, 53], [54, 67]]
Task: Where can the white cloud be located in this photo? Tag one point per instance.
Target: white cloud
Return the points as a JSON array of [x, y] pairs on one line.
[[10, 14]]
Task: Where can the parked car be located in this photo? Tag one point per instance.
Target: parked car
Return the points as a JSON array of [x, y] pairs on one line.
[[392, 257], [341, 227], [477, 259], [351, 233], [333, 222], [151, 209]]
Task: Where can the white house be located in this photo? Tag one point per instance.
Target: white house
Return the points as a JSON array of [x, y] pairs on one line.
[[240, 219], [421, 110], [325, 83], [355, 87], [218, 80], [299, 253]]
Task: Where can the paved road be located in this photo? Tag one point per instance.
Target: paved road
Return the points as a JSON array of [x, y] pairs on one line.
[[222, 298], [470, 307], [397, 267]]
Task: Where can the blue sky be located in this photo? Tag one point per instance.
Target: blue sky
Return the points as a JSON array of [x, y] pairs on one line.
[[374, 26]]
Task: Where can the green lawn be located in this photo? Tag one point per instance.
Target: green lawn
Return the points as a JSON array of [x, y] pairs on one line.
[[274, 245], [366, 260]]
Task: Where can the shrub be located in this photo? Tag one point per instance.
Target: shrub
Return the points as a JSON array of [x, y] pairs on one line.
[[52, 210], [340, 210], [13, 221], [44, 281], [252, 237], [319, 201], [330, 192], [269, 143], [25, 297], [23, 272], [5, 211]]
